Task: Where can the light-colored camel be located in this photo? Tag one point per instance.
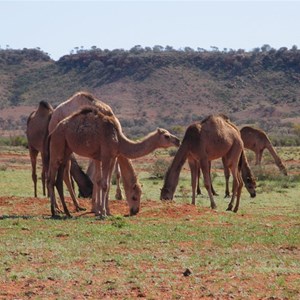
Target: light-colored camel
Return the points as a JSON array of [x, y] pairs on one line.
[[37, 132], [213, 138], [257, 141], [92, 134], [244, 168], [162, 138]]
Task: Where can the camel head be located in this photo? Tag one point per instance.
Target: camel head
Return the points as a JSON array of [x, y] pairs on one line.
[[250, 184], [166, 139], [133, 197]]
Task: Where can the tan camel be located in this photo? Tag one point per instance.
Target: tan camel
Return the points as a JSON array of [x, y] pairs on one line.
[[244, 168], [37, 132], [213, 138], [257, 141], [163, 139], [92, 134]]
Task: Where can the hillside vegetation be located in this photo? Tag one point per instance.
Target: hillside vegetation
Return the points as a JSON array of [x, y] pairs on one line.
[[150, 87]]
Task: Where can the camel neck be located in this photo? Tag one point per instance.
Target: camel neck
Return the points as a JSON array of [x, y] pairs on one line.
[[132, 149], [172, 175], [127, 171]]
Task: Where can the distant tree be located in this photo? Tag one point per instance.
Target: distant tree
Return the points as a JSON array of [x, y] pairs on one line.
[[214, 48], [136, 49], [294, 48], [266, 48], [188, 49], [169, 49], [158, 48]]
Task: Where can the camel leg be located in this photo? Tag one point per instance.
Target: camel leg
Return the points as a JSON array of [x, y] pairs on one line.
[[212, 188], [60, 188], [239, 192], [106, 168], [119, 195], [108, 189], [258, 157], [94, 173], [195, 170], [44, 175], [52, 172], [207, 181], [198, 181], [68, 182], [98, 205], [236, 187], [33, 157], [227, 176]]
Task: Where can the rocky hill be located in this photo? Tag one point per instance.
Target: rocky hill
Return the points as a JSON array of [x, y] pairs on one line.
[[151, 87]]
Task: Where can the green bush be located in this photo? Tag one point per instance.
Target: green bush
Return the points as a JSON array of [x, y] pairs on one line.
[[159, 168], [14, 141]]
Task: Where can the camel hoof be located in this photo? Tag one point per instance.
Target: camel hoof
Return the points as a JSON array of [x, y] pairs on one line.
[[80, 208], [56, 217], [101, 217], [229, 208], [214, 207], [235, 210]]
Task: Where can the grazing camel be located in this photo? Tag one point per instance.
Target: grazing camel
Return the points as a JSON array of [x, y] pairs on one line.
[[244, 168], [213, 138], [163, 139], [257, 141], [37, 132], [92, 134]]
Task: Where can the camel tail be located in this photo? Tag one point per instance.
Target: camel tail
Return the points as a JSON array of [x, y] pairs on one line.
[[276, 157]]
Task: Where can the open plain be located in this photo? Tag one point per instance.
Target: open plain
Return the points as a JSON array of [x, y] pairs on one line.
[[169, 250]]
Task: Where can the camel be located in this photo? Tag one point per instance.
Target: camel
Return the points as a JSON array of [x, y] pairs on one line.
[[163, 139], [37, 132], [213, 138], [92, 134], [257, 140], [244, 168]]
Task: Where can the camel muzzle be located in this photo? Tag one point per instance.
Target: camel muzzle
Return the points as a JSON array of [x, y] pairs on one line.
[[134, 211], [253, 195]]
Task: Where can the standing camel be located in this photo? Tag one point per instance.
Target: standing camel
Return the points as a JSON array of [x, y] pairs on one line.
[[257, 141], [37, 132], [92, 134], [213, 138], [162, 138]]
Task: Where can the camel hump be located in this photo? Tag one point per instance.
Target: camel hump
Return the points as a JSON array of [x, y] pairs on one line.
[[192, 132], [211, 117]]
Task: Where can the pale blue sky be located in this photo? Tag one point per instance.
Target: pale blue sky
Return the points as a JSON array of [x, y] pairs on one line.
[[59, 26]]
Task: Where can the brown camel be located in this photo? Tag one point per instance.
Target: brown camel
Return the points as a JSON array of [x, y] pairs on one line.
[[37, 132], [257, 141], [244, 168], [162, 139], [213, 138], [92, 134]]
